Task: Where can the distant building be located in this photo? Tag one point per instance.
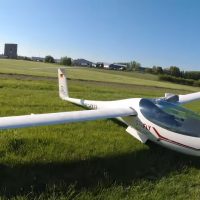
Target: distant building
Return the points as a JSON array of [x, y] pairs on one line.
[[82, 62], [10, 50], [37, 59], [100, 65], [106, 65], [116, 66], [94, 65]]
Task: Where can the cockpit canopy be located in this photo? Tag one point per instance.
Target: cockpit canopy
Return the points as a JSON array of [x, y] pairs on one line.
[[171, 117]]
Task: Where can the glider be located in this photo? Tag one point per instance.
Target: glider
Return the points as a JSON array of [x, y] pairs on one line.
[[161, 120]]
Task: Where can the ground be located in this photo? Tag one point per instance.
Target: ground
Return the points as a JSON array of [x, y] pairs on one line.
[[88, 160]]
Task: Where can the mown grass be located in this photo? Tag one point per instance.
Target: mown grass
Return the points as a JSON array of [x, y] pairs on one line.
[[88, 160]]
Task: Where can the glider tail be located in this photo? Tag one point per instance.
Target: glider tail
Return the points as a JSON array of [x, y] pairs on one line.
[[64, 94], [63, 87]]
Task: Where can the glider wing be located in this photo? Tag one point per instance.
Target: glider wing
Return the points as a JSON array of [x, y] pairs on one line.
[[63, 117], [189, 97]]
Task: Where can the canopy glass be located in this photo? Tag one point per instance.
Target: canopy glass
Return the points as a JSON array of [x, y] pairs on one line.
[[171, 117]]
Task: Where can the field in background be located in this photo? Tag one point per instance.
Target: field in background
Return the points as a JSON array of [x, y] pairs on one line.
[[50, 70], [89, 160]]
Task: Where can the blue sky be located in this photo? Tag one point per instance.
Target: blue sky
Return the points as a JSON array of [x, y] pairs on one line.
[[152, 32]]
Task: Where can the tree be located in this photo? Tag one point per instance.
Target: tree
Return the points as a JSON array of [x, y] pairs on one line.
[[133, 66], [66, 61], [192, 75], [166, 71], [175, 71], [49, 59], [159, 70]]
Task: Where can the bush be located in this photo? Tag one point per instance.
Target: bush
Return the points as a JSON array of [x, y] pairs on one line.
[[49, 59], [66, 61], [179, 80]]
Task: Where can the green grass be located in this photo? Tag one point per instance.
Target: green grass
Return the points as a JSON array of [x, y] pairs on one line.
[[88, 160], [50, 70]]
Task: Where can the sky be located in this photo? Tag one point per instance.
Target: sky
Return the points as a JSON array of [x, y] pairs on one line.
[[152, 32]]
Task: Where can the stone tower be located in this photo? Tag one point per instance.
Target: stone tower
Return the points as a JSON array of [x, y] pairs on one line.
[[10, 50]]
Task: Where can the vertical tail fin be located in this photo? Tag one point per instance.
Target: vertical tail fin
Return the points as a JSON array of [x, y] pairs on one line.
[[62, 81]]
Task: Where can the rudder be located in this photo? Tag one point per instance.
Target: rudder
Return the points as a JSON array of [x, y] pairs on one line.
[[62, 81]]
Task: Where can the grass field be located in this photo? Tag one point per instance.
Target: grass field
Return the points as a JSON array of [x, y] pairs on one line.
[[90, 160], [50, 70]]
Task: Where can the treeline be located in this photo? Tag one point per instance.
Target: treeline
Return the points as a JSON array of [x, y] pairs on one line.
[[171, 71], [48, 59], [175, 75], [174, 72], [171, 74], [63, 61], [179, 80]]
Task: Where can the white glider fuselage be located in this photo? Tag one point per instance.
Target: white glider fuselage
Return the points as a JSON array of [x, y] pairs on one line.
[[143, 129], [158, 120]]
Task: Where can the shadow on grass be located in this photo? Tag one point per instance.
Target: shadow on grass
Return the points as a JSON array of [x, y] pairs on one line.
[[151, 165]]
